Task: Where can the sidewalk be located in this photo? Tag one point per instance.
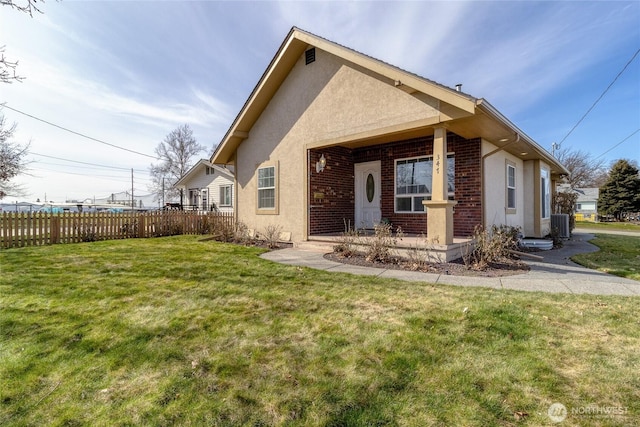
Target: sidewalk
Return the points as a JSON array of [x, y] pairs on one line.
[[556, 273]]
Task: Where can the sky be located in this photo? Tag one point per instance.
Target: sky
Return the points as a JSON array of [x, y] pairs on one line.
[[127, 73]]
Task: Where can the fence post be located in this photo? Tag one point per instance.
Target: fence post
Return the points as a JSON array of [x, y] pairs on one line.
[[141, 224], [54, 229]]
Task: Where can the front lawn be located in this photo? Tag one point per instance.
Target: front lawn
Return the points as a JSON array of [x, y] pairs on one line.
[[619, 255], [618, 226], [174, 331]]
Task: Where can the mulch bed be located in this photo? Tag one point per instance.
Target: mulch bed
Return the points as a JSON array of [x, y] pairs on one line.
[[507, 267]]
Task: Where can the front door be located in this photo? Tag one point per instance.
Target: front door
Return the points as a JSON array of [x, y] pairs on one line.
[[367, 194]]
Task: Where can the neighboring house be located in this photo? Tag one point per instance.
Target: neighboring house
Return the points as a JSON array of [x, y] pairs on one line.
[[331, 137], [586, 204], [207, 187]]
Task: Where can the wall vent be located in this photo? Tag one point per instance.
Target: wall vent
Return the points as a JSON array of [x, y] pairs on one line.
[[310, 56]]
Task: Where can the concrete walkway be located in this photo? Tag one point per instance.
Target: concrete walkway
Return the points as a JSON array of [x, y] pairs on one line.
[[556, 273]]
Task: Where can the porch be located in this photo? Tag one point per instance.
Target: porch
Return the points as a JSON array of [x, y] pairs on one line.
[[428, 185]]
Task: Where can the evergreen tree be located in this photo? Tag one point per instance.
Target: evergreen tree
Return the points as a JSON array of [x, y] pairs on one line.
[[621, 192]]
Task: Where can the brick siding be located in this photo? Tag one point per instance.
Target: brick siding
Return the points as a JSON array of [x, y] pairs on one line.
[[336, 183]]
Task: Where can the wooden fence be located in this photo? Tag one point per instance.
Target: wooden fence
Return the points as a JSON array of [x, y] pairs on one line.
[[19, 229]]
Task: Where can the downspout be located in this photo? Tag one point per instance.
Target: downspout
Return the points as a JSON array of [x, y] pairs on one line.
[[482, 159], [308, 196]]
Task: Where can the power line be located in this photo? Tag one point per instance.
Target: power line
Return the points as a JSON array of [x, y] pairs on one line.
[[600, 97], [634, 132], [78, 133], [86, 163], [102, 177]]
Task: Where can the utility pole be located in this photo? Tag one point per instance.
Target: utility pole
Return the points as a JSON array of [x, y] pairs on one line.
[[163, 192], [132, 200], [554, 147]]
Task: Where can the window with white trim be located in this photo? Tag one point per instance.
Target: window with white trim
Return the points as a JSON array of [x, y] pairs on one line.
[[545, 193], [413, 178], [225, 195], [205, 200], [511, 186], [267, 188]]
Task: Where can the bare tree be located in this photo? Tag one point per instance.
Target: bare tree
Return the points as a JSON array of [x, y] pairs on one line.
[[12, 160], [8, 67], [27, 6], [583, 170], [175, 153]]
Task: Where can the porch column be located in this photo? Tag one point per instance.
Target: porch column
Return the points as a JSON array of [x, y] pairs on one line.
[[439, 208]]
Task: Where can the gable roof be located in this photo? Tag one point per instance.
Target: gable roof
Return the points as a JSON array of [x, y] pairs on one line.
[[474, 117], [198, 166]]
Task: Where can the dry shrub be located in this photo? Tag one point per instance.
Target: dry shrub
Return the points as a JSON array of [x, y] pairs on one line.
[[347, 244], [271, 235], [491, 246], [380, 246]]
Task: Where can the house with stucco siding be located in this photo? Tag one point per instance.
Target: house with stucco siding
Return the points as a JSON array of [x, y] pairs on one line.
[[331, 136]]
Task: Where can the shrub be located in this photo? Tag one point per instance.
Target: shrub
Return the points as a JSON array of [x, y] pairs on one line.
[[490, 246], [379, 249], [347, 243], [272, 235], [87, 233], [554, 235]]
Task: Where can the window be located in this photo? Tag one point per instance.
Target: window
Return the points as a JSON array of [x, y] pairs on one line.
[[193, 196], [205, 200], [413, 182], [208, 170], [225, 195], [267, 188], [545, 193], [511, 188]]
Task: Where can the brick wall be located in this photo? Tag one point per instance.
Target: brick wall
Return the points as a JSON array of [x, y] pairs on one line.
[[468, 211], [336, 184], [328, 214]]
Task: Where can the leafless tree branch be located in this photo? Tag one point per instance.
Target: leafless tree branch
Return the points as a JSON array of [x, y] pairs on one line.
[[28, 6]]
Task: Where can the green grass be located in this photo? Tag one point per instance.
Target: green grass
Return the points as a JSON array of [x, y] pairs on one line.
[[619, 255], [621, 226], [173, 331]]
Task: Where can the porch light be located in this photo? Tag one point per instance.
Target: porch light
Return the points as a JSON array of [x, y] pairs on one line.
[[321, 164]]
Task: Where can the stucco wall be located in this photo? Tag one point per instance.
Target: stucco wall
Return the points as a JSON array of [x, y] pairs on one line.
[[317, 102], [495, 188], [534, 224]]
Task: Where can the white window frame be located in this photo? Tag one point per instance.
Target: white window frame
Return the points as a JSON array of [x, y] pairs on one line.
[[226, 192], [511, 188], [545, 194], [415, 197], [204, 199], [261, 187]]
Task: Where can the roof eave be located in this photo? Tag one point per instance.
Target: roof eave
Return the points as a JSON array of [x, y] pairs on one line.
[[490, 110], [296, 42]]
